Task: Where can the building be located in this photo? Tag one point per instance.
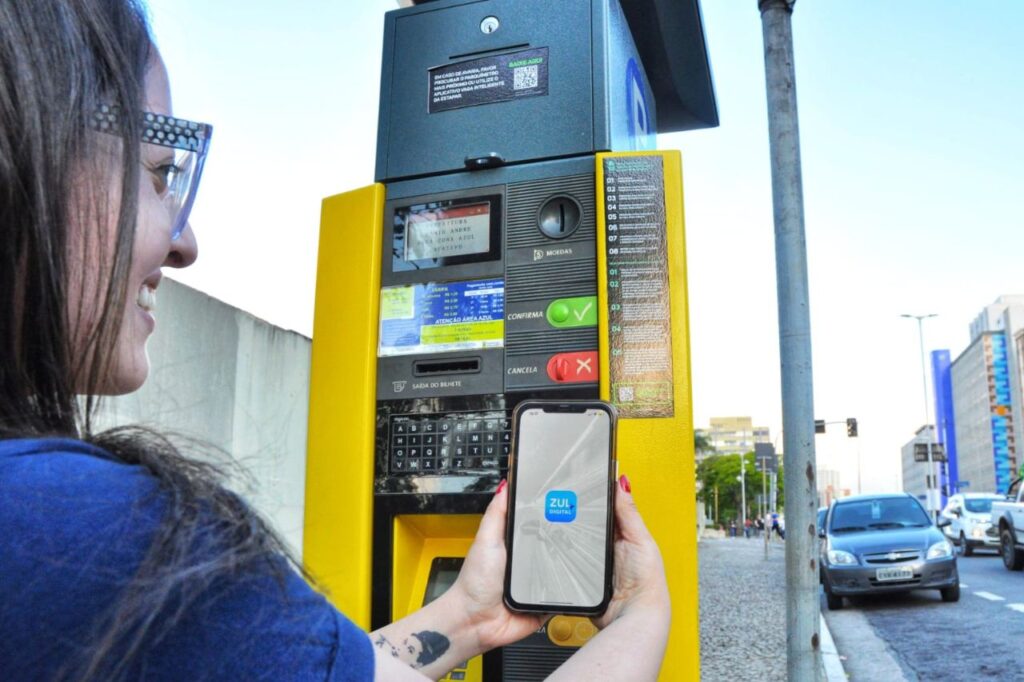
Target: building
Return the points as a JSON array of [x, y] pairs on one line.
[[916, 478], [829, 487], [236, 387], [732, 435], [942, 382], [983, 415]]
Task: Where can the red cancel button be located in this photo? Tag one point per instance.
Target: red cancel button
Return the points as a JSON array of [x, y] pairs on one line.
[[573, 368]]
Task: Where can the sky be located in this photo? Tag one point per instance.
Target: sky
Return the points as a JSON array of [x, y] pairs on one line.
[[913, 172]]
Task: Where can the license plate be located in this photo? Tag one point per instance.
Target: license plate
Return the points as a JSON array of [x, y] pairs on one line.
[[883, 574]]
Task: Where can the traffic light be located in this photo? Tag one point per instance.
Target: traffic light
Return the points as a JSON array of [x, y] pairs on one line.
[[819, 426], [851, 427]]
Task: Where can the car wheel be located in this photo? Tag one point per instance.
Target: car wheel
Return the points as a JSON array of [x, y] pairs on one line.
[[834, 601], [1012, 559], [965, 549], [951, 594]]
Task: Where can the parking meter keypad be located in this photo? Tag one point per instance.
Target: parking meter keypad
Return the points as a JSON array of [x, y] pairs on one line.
[[449, 443]]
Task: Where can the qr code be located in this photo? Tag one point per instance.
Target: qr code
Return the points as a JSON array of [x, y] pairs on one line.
[[626, 394], [524, 77]]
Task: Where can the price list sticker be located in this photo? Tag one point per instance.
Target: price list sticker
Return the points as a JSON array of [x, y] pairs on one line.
[[639, 316]]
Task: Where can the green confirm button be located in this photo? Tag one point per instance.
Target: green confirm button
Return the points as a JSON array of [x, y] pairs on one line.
[[573, 312]]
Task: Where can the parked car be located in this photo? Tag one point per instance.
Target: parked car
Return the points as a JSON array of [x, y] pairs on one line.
[[1008, 523], [876, 544], [970, 515]]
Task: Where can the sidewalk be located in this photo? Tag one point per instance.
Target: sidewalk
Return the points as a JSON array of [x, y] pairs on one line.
[[743, 611]]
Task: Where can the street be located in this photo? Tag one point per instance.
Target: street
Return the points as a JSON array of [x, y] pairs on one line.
[[979, 637]]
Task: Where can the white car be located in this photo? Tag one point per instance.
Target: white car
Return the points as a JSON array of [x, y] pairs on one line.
[[970, 515]]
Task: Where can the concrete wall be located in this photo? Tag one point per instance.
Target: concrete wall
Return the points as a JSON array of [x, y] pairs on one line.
[[237, 383]]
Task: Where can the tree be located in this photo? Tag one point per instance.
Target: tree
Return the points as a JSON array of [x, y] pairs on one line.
[[702, 443]]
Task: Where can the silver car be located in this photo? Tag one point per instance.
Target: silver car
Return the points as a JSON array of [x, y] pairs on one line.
[[875, 544]]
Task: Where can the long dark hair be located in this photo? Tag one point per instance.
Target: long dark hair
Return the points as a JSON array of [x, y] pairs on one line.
[[60, 59]]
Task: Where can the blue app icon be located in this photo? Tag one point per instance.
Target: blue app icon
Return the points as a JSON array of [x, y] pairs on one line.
[[560, 506]]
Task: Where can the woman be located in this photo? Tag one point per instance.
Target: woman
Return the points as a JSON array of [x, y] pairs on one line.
[[120, 557]]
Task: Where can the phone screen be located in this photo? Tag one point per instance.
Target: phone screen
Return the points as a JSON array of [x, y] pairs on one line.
[[560, 525]]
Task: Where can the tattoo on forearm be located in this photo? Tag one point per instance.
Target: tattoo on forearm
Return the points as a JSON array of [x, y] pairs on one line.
[[432, 646]]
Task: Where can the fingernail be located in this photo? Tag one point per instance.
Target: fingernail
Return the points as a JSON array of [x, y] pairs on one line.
[[624, 484], [501, 486]]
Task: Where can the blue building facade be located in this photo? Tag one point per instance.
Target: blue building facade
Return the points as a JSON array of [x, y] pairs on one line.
[[942, 385]]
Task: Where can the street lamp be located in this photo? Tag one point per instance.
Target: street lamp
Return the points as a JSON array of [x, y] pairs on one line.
[[933, 496]]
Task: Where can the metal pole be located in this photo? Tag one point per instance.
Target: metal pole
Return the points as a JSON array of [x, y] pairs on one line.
[[764, 505], [803, 661], [933, 494], [743, 493]]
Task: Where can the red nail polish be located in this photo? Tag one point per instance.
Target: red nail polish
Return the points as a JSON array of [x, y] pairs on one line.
[[501, 486], [624, 484]]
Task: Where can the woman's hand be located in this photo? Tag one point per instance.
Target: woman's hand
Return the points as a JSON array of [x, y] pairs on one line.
[[639, 576], [480, 585]]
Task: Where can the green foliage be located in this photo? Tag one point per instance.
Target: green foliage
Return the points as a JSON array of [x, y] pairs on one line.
[[722, 472], [701, 442]]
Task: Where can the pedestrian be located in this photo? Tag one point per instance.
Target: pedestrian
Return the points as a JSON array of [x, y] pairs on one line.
[[732, 528], [760, 526], [747, 527], [122, 556]]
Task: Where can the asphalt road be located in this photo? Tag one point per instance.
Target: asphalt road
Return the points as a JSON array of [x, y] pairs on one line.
[[980, 637]]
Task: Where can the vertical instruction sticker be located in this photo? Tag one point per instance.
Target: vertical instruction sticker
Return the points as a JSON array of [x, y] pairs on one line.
[[639, 316]]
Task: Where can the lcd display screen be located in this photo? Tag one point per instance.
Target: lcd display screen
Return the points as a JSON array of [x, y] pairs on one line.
[[561, 508], [442, 316], [448, 232]]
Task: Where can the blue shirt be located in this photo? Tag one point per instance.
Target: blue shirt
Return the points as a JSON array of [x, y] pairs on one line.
[[74, 526]]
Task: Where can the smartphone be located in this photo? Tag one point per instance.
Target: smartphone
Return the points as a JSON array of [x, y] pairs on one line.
[[561, 495]]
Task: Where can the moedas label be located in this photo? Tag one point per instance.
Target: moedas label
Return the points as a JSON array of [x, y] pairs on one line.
[[560, 506]]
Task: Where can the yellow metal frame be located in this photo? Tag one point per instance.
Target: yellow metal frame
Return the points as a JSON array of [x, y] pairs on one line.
[[338, 527], [657, 454]]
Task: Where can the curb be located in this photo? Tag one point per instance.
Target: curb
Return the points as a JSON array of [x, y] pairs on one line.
[[831, 664]]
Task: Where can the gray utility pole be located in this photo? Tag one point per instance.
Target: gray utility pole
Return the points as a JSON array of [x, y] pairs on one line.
[[743, 492], [803, 652], [933, 494]]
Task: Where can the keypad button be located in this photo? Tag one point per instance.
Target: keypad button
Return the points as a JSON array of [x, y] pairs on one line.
[[430, 440], [446, 439], [492, 425], [490, 438], [490, 450], [400, 440], [460, 451], [399, 452], [506, 424], [474, 450], [413, 427], [445, 451], [415, 440], [475, 437], [427, 464], [429, 451], [429, 426], [489, 462], [473, 425], [398, 465], [503, 462], [472, 462], [505, 449], [443, 462], [460, 426], [444, 426], [460, 439], [414, 452], [506, 437], [414, 465], [401, 427], [459, 463]]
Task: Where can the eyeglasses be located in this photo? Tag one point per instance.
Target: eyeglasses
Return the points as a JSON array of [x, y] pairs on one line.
[[190, 142]]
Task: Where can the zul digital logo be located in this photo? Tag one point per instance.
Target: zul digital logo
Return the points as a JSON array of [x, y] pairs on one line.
[[560, 506]]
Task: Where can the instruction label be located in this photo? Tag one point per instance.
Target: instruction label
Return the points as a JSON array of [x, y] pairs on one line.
[[639, 316], [489, 79]]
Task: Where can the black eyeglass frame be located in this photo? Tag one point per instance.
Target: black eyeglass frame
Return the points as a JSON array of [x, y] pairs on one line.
[[160, 129]]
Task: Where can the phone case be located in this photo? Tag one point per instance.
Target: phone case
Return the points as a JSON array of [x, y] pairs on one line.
[[553, 558]]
